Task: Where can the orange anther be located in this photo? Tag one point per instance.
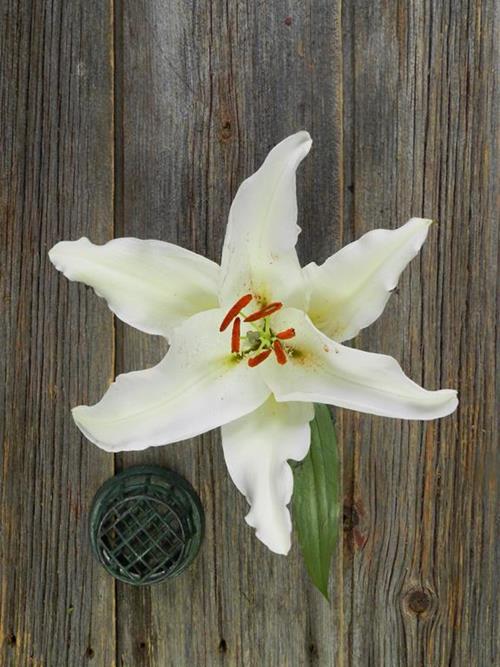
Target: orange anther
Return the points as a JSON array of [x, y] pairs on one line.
[[259, 358], [234, 310], [286, 334], [264, 312], [235, 335], [279, 352]]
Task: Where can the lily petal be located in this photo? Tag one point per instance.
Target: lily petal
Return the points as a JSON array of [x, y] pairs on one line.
[[256, 449], [152, 285], [323, 371], [259, 248], [198, 386], [350, 290]]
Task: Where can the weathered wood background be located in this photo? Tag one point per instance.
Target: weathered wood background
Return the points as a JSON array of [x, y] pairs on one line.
[[140, 118]]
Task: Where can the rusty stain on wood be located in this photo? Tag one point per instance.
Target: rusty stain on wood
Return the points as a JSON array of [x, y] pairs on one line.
[[141, 119]]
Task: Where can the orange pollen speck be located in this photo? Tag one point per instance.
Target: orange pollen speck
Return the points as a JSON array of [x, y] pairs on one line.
[[279, 352], [235, 335], [259, 358], [234, 310], [264, 312], [286, 334]]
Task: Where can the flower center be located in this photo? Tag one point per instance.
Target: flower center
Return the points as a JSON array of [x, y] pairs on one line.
[[260, 341]]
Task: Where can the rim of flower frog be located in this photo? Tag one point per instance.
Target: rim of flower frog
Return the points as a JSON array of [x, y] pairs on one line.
[[146, 525]]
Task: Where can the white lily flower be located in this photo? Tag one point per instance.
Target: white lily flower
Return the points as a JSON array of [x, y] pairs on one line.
[[253, 342]]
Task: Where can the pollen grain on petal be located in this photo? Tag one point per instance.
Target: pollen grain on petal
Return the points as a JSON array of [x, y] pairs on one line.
[[264, 312], [286, 334], [279, 352], [235, 335], [234, 310], [259, 358]]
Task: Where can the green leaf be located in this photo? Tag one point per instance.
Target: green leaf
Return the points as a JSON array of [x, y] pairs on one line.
[[316, 499]]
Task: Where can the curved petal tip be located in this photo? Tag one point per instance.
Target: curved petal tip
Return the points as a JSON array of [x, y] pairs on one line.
[[277, 543], [60, 252], [450, 403], [302, 139]]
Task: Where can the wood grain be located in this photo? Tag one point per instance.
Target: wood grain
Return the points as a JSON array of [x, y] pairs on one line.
[[56, 603], [191, 120], [141, 119], [420, 136]]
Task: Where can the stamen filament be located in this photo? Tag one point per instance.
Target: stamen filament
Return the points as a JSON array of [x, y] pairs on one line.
[[286, 334], [254, 326], [261, 342], [264, 312], [279, 352], [235, 335], [259, 358], [234, 310]]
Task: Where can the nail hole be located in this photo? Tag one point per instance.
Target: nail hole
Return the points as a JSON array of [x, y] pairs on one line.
[[142, 645], [89, 653], [11, 639], [222, 646], [288, 21], [313, 650]]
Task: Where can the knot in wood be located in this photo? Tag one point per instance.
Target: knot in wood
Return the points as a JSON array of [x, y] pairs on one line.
[[419, 601], [350, 517], [225, 132]]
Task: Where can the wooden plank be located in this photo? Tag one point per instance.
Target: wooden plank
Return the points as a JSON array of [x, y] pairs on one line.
[[421, 127], [201, 96], [205, 93], [56, 604]]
